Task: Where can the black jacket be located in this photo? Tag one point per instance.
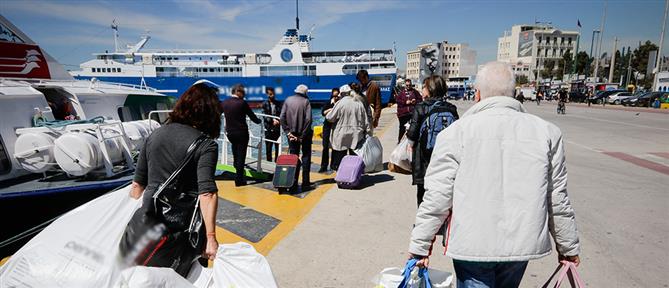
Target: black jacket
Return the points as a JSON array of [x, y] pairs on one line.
[[235, 111], [421, 155], [267, 110]]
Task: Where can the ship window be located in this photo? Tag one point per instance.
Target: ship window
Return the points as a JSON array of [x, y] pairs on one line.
[[119, 70], [114, 70], [5, 163], [225, 69]]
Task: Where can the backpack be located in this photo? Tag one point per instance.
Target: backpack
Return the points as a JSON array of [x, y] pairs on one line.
[[438, 118]]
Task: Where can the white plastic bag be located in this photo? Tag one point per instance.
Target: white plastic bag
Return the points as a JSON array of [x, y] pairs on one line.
[[149, 277], [392, 277], [80, 249], [389, 277], [240, 266], [401, 155], [372, 154]]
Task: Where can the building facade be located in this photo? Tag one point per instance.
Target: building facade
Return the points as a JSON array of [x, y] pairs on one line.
[[528, 47], [441, 58]]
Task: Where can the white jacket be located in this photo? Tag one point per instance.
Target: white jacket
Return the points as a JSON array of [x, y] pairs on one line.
[[503, 173]]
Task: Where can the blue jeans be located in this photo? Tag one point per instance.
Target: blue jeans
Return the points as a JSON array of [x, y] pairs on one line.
[[489, 274]]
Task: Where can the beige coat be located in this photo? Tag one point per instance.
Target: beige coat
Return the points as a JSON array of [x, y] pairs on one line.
[[352, 122]]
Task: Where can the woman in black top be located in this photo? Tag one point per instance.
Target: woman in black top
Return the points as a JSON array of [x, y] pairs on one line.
[[196, 112], [434, 89], [235, 110], [327, 128]]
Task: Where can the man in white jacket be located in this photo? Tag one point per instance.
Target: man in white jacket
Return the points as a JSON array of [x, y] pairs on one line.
[[500, 173]]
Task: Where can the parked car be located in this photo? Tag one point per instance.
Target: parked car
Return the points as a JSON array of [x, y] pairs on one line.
[[577, 96], [617, 98], [633, 100], [600, 96], [647, 99]]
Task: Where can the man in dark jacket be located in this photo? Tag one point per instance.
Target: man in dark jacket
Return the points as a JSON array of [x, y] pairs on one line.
[[434, 85], [372, 92], [296, 124], [406, 101], [235, 110], [272, 126], [327, 128]]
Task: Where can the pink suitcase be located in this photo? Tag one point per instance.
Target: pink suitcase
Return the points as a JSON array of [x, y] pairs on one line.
[[350, 172]]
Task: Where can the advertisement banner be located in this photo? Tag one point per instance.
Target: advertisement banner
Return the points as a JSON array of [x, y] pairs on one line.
[[429, 61], [525, 40]]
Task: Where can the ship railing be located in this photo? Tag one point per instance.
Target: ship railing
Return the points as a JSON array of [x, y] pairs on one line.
[[257, 140], [89, 84], [254, 150]]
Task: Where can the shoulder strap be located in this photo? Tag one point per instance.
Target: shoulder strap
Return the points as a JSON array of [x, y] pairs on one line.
[[190, 153]]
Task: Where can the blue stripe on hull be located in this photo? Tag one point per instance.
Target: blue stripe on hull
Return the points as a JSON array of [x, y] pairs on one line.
[[255, 86]]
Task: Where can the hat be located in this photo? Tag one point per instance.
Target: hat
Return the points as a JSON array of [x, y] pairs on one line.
[[302, 89], [345, 89]]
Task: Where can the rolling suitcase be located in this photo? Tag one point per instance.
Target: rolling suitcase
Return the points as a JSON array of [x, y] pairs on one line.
[[286, 172], [350, 171]]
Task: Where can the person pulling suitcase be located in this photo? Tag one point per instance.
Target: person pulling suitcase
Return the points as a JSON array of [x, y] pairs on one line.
[[296, 123]]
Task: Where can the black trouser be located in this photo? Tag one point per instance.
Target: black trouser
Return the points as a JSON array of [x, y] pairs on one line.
[[325, 157], [305, 147], [272, 135], [239, 141], [403, 120], [337, 155], [420, 192]]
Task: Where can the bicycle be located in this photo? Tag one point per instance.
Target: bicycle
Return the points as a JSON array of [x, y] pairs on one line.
[[561, 108]]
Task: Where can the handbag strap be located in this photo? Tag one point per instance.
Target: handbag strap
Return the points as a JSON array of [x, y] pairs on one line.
[[190, 153]]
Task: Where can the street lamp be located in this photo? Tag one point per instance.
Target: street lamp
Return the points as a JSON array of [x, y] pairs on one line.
[[592, 43]]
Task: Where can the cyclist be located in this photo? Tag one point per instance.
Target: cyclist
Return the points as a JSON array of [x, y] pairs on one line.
[[562, 99]]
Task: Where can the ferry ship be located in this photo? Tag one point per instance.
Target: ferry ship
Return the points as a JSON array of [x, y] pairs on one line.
[[289, 63]]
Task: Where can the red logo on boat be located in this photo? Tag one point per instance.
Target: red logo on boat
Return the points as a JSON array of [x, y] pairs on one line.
[[22, 61]]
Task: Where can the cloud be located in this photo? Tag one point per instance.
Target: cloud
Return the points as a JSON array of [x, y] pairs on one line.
[[330, 12], [194, 32]]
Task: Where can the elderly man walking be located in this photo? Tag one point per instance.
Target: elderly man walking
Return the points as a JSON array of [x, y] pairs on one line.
[[500, 174], [296, 123]]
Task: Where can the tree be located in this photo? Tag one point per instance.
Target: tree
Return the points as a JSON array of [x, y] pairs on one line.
[[549, 66], [640, 62], [522, 80], [582, 61], [565, 65]]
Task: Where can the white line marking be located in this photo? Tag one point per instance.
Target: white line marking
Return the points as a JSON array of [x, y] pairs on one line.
[[583, 146], [618, 122]]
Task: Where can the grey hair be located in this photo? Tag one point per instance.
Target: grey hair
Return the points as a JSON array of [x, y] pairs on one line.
[[495, 79]]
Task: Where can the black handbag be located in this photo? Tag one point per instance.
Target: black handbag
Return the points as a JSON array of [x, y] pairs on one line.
[[171, 215]]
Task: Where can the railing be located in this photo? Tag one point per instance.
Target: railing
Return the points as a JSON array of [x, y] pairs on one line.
[[255, 134], [224, 157]]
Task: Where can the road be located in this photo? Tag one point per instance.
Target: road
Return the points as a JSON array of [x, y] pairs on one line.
[[618, 163]]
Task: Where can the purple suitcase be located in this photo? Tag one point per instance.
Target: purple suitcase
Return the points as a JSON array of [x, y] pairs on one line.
[[350, 171]]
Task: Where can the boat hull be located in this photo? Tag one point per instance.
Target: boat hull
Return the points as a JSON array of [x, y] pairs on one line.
[[319, 86]]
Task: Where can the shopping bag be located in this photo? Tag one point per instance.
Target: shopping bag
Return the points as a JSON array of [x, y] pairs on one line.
[[415, 277], [392, 277], [401, 155], [79, 249], [239, 265], [565, 269], [371, 152]]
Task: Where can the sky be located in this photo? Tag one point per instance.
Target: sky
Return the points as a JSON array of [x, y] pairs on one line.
[[72, 30]]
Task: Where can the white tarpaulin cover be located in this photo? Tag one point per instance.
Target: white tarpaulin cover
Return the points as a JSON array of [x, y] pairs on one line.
[[80, 249]]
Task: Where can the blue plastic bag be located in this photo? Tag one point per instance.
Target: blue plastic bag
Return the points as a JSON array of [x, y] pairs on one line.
[[419, 280]]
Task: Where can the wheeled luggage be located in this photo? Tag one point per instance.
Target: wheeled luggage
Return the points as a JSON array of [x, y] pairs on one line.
[[286, 172], [350, 172]]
